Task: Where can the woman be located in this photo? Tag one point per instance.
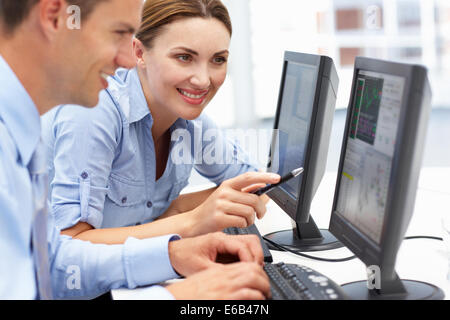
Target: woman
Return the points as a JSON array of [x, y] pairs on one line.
[[117, 170]]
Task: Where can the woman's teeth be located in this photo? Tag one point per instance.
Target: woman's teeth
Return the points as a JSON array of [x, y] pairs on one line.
[[190, 95]]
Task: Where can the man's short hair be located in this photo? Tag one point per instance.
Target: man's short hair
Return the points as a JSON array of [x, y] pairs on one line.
[[14, 12]]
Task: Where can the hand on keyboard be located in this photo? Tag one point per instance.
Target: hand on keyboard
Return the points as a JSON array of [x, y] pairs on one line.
[[236, 281], [252, 230], [190, 255]]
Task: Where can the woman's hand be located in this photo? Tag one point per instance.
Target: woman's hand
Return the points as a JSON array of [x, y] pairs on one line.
[[231, 204]]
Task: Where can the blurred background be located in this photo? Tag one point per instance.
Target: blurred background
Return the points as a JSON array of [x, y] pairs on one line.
[[412, 31]]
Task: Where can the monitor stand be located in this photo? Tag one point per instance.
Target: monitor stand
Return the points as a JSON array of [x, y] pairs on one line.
[[395, 289], [305, 237]]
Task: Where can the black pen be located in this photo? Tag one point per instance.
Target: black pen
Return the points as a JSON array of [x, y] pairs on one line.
[[283, 179]]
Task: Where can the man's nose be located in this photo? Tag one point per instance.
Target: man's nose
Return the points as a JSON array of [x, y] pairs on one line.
[[125, 56]]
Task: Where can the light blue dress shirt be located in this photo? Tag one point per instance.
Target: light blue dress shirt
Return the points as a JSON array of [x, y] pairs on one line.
[[102, 160], [78, 269]]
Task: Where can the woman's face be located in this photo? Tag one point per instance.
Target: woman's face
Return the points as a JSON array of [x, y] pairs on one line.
[[185, 66]]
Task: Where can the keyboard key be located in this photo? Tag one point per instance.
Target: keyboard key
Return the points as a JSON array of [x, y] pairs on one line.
[[295, 282]]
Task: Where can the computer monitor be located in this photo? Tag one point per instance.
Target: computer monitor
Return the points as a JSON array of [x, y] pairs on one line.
[[301, 137], [378, 173]]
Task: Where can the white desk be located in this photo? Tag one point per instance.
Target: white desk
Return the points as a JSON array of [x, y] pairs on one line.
[[421, 259]]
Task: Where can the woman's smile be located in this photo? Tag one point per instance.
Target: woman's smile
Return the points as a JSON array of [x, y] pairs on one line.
[[194, 97]]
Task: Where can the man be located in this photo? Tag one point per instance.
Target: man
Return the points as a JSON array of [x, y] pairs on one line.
[[44, 63]]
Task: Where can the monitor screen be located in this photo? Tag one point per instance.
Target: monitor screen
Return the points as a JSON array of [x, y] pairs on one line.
[[294, 120], [301, 137], [366, 171]]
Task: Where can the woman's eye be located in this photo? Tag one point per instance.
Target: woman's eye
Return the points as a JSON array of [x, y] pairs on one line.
[[219, 60], [184, 57]]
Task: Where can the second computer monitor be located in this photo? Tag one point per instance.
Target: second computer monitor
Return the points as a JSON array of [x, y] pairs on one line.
[[301, 138], [379, 171]]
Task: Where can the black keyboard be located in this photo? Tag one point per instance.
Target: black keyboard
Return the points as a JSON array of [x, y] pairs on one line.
[[252, 230], [296, 282]]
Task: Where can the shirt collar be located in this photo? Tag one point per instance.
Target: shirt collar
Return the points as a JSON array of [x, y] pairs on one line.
[[137, 98], [19, 113], [180, 123], [126, 88]]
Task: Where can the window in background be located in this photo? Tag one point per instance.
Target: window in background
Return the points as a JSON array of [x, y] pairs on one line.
[[277, 26], [412, 31]]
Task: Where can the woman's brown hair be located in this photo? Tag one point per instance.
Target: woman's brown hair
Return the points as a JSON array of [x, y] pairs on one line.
[[158, 13]]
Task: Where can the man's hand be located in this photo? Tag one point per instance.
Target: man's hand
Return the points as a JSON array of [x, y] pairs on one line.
[[191, 255], [236, 281]]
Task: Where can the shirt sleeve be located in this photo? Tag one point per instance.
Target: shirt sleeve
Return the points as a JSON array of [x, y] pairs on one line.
[[80, 269], [222, 156], [84, 147]]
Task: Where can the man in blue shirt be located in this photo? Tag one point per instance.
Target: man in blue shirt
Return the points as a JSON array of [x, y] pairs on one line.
[[45, 62]]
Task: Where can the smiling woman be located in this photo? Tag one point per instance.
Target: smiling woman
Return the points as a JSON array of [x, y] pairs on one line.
[[180, 73], [111, 168], [176, 66]]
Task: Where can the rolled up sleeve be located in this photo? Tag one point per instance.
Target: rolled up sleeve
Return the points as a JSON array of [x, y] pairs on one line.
[[83, 144]]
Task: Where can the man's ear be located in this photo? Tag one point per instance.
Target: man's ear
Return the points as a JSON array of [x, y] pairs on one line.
[[139, 50], [52, 16]]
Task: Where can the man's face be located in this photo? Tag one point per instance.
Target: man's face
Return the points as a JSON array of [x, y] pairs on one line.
[[84, 57]]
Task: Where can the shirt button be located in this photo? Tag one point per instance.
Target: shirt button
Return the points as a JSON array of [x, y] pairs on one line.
[[124, 199], [149, 204], [84, 175]]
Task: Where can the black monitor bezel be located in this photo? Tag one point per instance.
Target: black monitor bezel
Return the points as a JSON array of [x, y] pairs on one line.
[[296, 208], [404, 171]]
